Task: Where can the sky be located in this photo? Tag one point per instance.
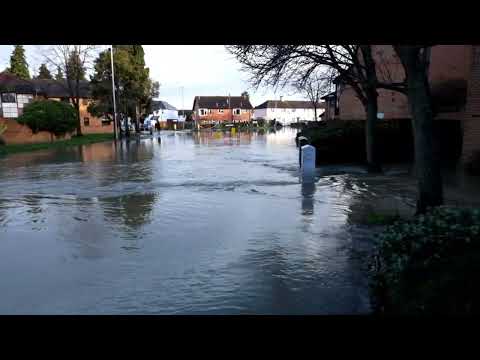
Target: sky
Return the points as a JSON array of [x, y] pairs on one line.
[[201, 70]]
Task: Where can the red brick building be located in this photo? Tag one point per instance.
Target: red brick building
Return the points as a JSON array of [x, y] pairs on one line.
[[16, 93], [211, 110], [454, 75]]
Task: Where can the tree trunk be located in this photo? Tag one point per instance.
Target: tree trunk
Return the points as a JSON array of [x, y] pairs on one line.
[[371, 108], [79, 120], [427, 163], [315, 111]]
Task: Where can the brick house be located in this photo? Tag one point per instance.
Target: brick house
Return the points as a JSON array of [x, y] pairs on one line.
[[454, 76], [449, 72], [58, 90], [15, 93], [211, 110]]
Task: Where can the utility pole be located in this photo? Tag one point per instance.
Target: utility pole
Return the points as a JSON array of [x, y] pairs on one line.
[[181, 89], [230, 107], [115, 131]]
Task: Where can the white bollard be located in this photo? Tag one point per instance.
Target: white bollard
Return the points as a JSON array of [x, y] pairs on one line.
[[307, 159]]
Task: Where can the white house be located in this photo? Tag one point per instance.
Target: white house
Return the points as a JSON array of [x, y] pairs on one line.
[[288, 111], [164, 111]]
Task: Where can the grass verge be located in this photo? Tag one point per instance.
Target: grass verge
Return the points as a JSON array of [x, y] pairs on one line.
[[74, 141]]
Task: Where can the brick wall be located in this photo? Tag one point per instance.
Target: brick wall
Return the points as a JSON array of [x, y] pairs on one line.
[[95, 124], [450, 64], [21, 134], [471, 121]]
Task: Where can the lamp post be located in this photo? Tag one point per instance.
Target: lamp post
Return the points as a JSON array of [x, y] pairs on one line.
[[115, 130]]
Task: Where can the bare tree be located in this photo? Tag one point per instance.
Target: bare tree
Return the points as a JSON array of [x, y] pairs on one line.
[[354, 65], [73, 61], [317, 85], [415, 60]]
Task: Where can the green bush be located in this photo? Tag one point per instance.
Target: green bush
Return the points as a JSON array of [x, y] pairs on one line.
[[343, 141], [261, 122], [56, 117], [429, 264]]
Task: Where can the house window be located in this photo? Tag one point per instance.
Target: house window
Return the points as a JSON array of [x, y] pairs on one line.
[[203, 112], [9, 110], [23, 99], [209, 111], [9, 105], [8, 98], [86, 121], [106, 122], [220, 111], [236, 111]]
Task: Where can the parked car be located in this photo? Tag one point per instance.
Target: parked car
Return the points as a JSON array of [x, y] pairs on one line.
[[150, 122]]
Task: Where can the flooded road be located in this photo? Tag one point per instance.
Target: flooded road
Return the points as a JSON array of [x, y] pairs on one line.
[[199, 223]]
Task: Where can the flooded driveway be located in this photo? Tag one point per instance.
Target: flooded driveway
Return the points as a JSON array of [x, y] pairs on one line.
[[199, 223]]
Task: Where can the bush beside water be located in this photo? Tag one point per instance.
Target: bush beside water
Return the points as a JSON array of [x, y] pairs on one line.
[[56, 117], [339, 141], [429, 264]]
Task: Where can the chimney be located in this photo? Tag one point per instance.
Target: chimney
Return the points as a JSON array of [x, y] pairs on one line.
[[281, 98]]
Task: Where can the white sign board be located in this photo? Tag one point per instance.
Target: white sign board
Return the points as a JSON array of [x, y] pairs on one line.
[[380, 115], [307, 162]]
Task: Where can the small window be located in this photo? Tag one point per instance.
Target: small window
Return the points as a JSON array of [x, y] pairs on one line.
[[86, 121], [106, 122], [236, 111], [23, 99], [220, 111], [203, 112], [8, 98]]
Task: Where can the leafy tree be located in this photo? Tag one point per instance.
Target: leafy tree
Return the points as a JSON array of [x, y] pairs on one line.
[[245, 94], [134, 89], [18, 63], [43, 72], [56, 117], [75, 69]]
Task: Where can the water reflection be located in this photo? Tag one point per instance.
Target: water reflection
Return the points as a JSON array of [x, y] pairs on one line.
[[131, 210], [222, 138], [308, 190]]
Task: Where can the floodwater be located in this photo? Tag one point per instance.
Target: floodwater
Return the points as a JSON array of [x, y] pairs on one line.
[[199, 223]]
